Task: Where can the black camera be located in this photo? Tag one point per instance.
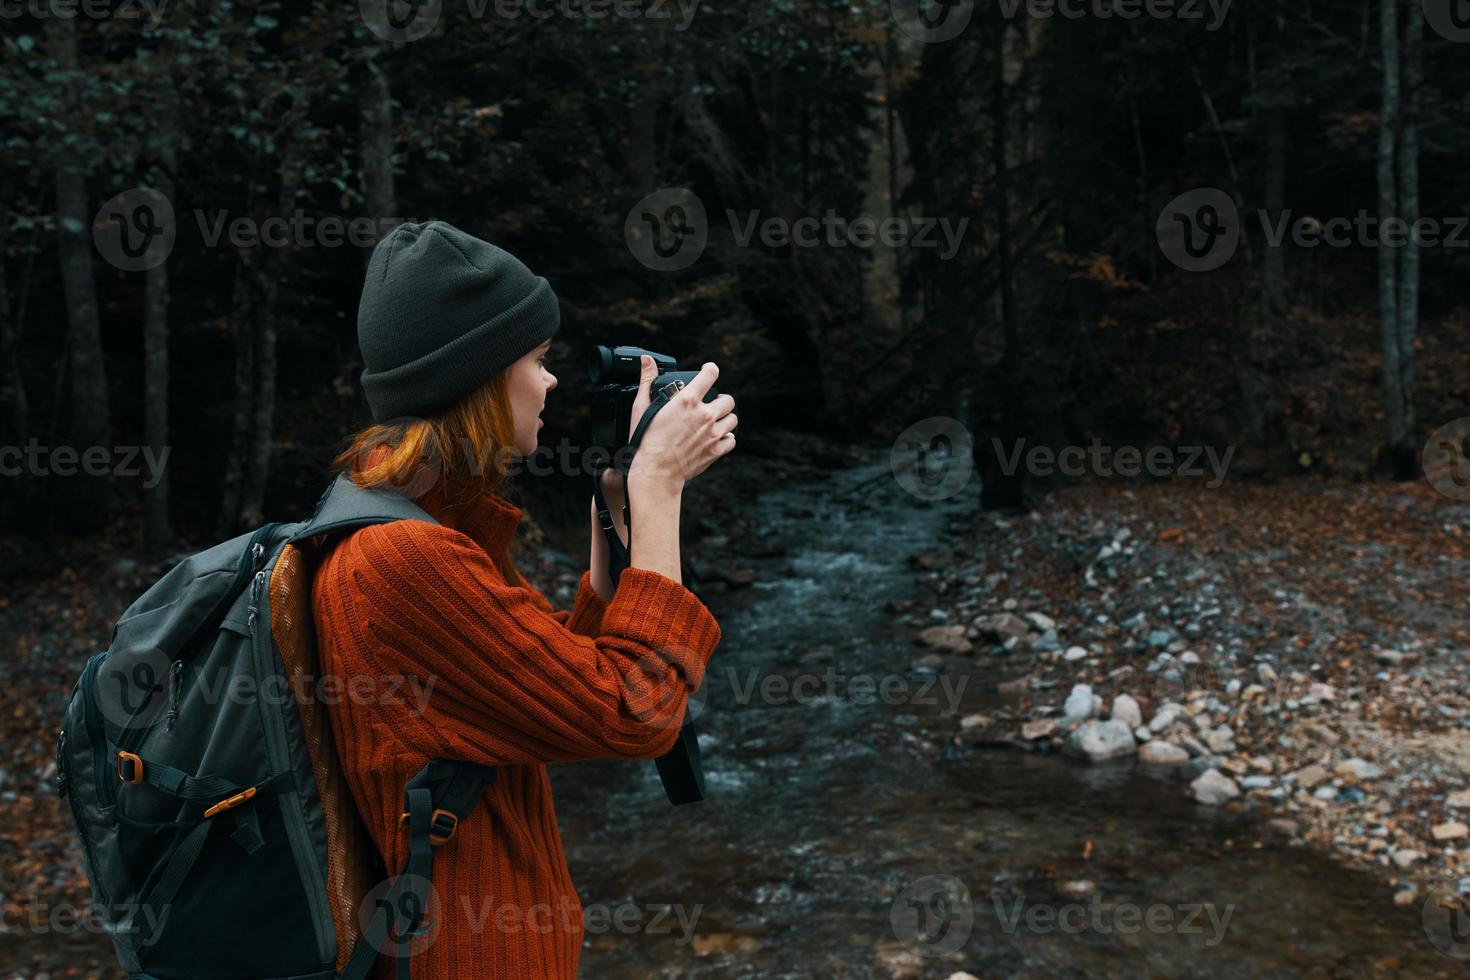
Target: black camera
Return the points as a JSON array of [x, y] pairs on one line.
[[614, 371]]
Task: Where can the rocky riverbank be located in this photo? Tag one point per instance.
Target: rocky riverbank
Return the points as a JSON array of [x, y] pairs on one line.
[[1300, 651]]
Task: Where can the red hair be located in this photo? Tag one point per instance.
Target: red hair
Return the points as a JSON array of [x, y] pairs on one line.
[[463, 452]]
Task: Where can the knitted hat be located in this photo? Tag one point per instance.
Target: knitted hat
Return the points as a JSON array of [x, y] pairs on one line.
[[442, 312]]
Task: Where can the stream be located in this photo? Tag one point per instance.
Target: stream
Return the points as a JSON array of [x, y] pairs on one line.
[[846, 835]]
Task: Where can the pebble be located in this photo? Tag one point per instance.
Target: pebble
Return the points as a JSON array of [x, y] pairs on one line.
[[1406, 857], [1078, 706], [1040, 728], [1213, 788], [1164, 717], [1074, 654], [1126, 710], [1097, 741], [1310, 776], [1359, 769], [950, 639], [1041, 622], [1450, 830], [1161, 753]]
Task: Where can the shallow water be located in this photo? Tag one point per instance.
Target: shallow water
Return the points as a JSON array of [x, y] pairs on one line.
[[839, 833]]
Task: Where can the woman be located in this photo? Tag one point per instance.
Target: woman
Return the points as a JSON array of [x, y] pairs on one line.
[[454, 334]]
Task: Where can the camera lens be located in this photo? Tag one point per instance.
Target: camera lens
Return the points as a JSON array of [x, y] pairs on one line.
[[599, 364]]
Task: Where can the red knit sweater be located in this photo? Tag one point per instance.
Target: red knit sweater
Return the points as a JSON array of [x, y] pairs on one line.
[[501, 679]]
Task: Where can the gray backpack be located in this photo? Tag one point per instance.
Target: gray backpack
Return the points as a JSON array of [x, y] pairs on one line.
[[220, 837]]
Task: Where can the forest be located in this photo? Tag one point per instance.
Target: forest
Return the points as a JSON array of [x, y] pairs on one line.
[[1109, 347]]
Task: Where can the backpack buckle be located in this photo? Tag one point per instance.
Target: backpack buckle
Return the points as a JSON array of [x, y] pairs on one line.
[[129, 767], [229, 803], [441, 826]]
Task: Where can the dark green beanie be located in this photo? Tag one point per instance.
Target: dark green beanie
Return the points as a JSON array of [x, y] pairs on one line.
[[442, 312]]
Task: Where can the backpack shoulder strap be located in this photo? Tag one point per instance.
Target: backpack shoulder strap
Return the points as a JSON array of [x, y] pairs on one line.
[[434, 801], [345, 505]]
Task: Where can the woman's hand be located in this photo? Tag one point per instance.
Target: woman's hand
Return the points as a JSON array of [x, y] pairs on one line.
[[687, 434]]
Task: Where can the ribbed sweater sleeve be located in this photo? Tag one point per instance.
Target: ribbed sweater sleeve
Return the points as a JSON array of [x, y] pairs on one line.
[[508, 679], [585, 616]]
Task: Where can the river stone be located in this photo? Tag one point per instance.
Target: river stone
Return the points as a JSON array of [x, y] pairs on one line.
[[1213, 788], [1160, 753], [1002, 626], [1078, 706], [1046, 642], [1193, 746], [1040, 728], [1407, 857], [1074, 654], [1041, 621], [1311, 775], [1126, 710], [897, 962], [1359, 769], [950, 639], [1220, 740], [1459, 799], [1097, 741], [1165, 716], [1451, 830]]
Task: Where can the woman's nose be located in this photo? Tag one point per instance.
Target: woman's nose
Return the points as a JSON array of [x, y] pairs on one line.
[[553, 381]]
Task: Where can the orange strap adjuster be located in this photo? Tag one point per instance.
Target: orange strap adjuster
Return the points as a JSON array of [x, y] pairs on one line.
[[441, 826], [229, 803], [129, 767]]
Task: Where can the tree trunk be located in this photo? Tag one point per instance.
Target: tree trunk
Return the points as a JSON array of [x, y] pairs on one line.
[[999, 489], [1402, 455], [269, 269], [1273, 280], [14, 414], [90, 424], [15, 422], [243, 317], [156, 517], [376, 138], [1388, 207]]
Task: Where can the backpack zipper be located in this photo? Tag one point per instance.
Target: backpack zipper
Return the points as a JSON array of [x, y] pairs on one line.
[[255, 584]]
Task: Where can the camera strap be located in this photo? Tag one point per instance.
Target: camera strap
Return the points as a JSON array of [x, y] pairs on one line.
[[680, 769], [620, 555]]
